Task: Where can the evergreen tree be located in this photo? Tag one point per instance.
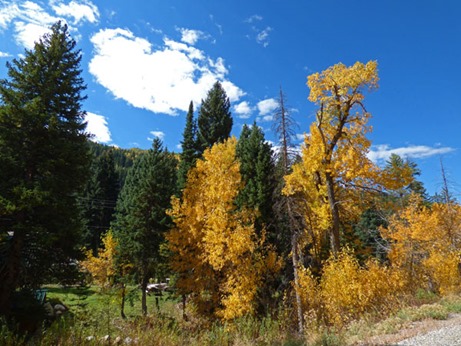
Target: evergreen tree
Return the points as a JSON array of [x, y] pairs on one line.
[[257, 171], [141, 221], [99, 199], [189, 154], [44, 163], [215, 119]]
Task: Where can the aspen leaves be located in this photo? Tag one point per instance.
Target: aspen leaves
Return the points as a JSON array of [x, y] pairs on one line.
[[219, 257]]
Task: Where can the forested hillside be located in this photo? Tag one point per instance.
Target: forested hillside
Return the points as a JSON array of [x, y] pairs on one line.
[[310, 238]]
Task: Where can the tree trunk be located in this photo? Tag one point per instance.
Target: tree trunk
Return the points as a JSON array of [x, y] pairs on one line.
[[145, 280], [184, 316], [294, 256], [9, 275], [334, 232], [122, 305], [295, 260]]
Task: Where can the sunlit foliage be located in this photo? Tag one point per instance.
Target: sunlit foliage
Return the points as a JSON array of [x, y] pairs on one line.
[[217, 253], [102, 267], [425, 243]]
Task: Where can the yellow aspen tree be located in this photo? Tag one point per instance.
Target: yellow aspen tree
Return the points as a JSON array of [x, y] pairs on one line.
[[335, 175], [217, 254], [102, 267], [425, 244]]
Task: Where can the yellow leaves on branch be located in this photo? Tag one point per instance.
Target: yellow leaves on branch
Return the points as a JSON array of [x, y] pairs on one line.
[[426, 243], [335, 175], [219, 257], [340, 83], [102, 268], [346, 291]]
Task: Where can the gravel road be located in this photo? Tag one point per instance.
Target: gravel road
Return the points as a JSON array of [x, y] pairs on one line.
[[423, 333], [445, 336]]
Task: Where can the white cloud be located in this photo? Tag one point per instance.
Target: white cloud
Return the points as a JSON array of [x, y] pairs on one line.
[[300, 136], [254, 18], [80, 11], [158, 134], [267, 106], [263, 36], [380, 153], [29, 33], [243, 110], [190, 36], [97, 126], [31, 20], [7, 14], [4, 55], [163, 80], [266, 118]]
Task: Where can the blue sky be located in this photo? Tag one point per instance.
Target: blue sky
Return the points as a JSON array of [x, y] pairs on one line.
[[144, 61]]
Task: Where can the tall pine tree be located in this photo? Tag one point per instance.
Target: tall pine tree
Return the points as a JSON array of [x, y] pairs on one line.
[[99, 199], [257, 170], [215, 119], [189, 153], [44, 163], [141, 220]]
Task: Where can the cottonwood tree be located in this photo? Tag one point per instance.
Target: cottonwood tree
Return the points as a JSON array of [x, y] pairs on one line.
[[335, 173], [44, 163], [141, 220], [219, 257]]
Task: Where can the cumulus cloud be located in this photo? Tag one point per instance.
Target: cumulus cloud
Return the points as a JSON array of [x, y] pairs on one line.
[[97, 126], [31, 20], [4, 55], [157, 134], [243, 110], [80, 11], [267, 106], [163, 80], [190, 36], [380, 153]]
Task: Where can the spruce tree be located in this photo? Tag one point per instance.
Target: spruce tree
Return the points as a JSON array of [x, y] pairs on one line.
[[215, 119], [99, 199], [257, 170], [189, 154], [141, 219], [44, 163]]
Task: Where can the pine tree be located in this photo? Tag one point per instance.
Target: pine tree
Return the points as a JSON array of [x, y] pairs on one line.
[[99, 199], [44, 163], [257, 171], [189, 154], [141, 220], [215, 119]]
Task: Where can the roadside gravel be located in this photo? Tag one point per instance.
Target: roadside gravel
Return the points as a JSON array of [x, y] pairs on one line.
[[445, 336], [423, 333]]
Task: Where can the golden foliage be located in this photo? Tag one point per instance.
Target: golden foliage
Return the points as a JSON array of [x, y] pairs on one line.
[[335, 176], [216, 250], [102, 268], [347, 291], [425, 244]]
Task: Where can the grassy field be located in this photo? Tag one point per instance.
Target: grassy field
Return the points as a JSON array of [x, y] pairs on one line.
[[94, 319]]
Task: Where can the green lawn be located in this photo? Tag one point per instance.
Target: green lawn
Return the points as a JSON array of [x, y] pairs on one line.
[[93, 299]]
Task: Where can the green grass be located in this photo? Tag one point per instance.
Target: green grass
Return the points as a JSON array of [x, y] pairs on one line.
[[95, 313]]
